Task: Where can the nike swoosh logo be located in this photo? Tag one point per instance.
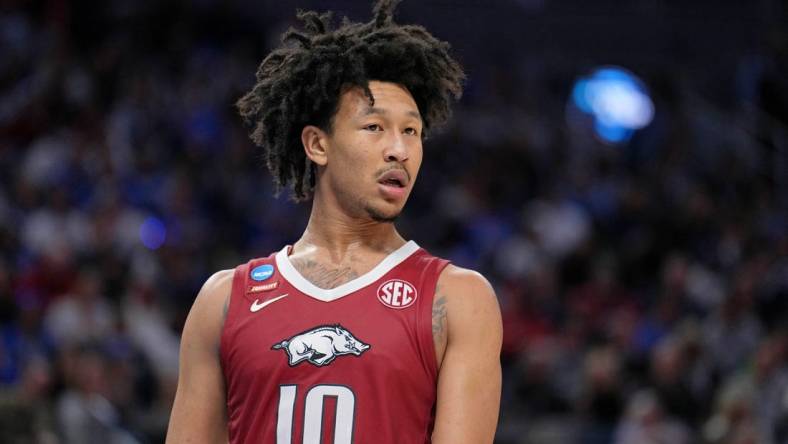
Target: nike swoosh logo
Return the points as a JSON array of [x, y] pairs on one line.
[[257, 306]]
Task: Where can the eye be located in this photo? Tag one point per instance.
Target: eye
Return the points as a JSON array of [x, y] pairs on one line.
[[373, 127], [411, 131]]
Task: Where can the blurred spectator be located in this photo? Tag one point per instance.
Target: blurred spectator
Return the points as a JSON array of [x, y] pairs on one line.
[[84, 412], [603, 397], [669, 379], [81, 315], [25, 412], [646, 423]]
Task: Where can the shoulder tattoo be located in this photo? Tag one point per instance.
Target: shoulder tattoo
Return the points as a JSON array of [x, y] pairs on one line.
[[439, 323]]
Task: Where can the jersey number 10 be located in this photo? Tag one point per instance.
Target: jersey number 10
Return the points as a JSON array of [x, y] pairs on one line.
[[313, 414]]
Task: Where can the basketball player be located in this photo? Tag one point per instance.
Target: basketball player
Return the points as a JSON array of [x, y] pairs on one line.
[[352, 334]]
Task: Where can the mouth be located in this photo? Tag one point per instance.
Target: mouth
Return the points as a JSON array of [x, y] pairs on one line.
[[397, 178]]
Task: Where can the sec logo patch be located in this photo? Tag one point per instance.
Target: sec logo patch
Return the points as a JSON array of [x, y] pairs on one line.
[[397, 294]]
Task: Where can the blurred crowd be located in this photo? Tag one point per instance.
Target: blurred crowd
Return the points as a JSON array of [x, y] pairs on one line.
[[644, 285]]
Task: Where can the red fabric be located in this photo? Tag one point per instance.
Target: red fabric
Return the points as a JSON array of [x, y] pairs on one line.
[[393, 382]]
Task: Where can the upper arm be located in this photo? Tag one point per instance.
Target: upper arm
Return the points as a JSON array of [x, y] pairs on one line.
[[469, 379], [199, 411]]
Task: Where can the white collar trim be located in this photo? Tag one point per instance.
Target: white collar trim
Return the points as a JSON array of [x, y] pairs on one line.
[[295, 278]]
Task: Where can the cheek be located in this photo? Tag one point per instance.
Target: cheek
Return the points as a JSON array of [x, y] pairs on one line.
[[416, 158], [358, 164], [352, 165]]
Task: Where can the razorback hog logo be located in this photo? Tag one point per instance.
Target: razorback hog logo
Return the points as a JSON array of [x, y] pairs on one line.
[[397, 294], [321, 345]]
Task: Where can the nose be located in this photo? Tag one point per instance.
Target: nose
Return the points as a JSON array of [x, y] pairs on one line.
[[396, 149]]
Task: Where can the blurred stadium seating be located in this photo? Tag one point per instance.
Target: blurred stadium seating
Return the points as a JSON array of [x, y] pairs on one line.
[[643, 284]]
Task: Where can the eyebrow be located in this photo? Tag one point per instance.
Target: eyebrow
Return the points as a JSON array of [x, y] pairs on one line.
[[373, 110]]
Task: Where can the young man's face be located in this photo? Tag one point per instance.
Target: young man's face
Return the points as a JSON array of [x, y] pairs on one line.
[[374, 153]]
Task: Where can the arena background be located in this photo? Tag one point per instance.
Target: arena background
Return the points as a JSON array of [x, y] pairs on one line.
[[618, 169]]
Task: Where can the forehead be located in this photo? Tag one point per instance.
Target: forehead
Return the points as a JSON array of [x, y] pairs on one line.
[[389, 98]]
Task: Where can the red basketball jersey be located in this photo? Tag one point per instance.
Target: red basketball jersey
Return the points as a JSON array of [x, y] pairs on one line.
[[352, 364]]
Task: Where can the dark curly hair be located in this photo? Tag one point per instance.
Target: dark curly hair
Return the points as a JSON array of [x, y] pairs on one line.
[[300, 83]]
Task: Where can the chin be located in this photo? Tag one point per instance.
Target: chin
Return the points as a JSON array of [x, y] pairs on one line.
[[379, 215]]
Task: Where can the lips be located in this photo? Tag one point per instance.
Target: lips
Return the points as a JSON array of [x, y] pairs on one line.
[[397, 178]]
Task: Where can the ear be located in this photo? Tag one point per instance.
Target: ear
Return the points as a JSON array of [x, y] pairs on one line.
[[314, 140]]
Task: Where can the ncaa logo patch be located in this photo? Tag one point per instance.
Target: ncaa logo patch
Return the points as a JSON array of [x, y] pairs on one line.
[[397, 293], [262, 272]]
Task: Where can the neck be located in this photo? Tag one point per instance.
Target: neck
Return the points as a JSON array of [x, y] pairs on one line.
[[332, 229]]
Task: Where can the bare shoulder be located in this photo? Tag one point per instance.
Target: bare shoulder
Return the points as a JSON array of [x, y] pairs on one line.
[[469, 359], [210, 306], [216, 290], [219, 279], [469, 298], [464, 304], [464, 286], [198, 413]]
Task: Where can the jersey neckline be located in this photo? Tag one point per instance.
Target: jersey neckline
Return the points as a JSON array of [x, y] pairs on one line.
[[301, 284]]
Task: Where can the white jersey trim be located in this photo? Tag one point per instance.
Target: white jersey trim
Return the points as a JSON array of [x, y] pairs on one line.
[[295, 278]]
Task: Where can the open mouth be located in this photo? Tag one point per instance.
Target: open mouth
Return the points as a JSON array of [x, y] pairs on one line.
[[392, 183], [394, 178]]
